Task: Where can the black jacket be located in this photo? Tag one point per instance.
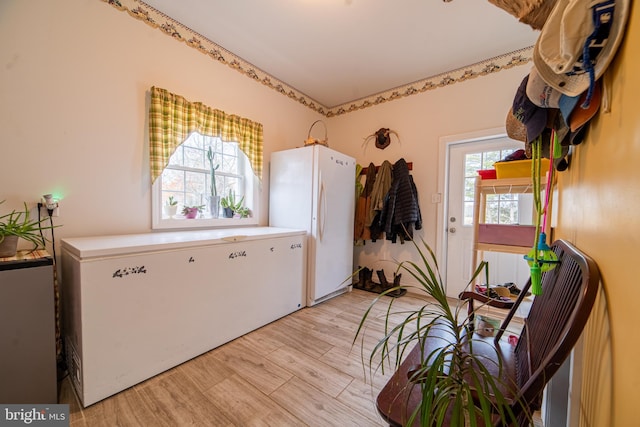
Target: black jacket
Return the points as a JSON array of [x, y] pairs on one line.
[[401, 213]]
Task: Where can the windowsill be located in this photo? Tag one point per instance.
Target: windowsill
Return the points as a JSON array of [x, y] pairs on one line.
[[184, 223]]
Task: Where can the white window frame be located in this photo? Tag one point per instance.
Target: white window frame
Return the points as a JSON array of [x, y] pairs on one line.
[[252, 200]]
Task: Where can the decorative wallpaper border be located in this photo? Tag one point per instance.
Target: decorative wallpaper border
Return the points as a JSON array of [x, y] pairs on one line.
[[489, 66], [156, 19]]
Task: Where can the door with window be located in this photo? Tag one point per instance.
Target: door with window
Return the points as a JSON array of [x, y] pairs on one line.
[[465, 159]]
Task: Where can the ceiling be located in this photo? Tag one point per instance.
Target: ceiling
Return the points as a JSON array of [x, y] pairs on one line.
[[338, 51]]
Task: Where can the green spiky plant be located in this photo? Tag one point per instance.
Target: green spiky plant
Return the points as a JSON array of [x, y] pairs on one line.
[[452, 379], [237, 206], [211, 155], [21, 225]]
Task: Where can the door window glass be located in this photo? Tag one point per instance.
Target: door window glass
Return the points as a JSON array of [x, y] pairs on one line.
[[501, 208]]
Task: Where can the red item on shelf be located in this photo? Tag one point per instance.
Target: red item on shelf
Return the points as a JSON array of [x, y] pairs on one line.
[[488, 173]]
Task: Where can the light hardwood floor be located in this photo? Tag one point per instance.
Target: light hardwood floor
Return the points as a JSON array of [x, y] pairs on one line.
[[301, 370]]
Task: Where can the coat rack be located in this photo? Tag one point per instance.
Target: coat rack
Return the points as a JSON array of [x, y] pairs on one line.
[[364, 170]]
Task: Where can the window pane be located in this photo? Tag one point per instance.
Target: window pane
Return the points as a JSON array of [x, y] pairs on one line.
[[194, 187], [508, 213], [468, 213], [491, 216], [230, 164], [489, 158], [229, 148], [176, 158], [232, 184], [216, 144], [469, 189], [173, 180], [194, 158], [472, 164], [195, 140], [508, 196]]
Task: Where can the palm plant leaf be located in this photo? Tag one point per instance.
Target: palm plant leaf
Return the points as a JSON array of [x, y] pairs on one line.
[[20, 224], [457, 384]]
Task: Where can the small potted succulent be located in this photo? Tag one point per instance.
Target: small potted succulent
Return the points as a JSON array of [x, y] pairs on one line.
[[190, 212], [171, 208]]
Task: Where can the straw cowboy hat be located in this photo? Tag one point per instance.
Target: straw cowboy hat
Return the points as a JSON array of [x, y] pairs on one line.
[[531, 12]]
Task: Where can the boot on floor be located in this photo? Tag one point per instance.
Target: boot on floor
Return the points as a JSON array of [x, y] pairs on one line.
[[384, 283]]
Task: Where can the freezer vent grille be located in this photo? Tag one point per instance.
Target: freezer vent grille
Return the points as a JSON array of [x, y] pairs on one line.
[[74, 366]]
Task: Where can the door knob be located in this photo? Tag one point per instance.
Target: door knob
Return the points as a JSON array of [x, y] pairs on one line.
[[452, 230]]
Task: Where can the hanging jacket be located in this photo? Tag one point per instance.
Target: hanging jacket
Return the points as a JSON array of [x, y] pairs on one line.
[[361, 229], [379, 194], [401, 213], [384, 176]]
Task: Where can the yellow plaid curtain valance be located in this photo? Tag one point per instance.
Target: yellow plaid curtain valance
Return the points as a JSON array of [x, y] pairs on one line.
[[172, 118]]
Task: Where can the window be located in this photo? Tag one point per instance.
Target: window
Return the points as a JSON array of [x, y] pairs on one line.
[[187, 180], [181, 135], [501, 208]]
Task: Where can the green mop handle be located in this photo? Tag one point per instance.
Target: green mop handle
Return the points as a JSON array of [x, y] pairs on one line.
[[536, 279], [536, 271]]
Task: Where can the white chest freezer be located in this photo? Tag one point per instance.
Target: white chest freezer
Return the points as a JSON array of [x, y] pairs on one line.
[[137, 305]]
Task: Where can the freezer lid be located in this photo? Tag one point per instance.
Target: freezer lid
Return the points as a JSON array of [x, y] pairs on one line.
[[126, 244]]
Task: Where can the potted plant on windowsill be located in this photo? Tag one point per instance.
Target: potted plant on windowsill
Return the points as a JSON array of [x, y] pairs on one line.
[[241, 212], [227, 203], [214, 199], [233, 207], [452, 381], [191, 212], [19, 225], [171, 208]]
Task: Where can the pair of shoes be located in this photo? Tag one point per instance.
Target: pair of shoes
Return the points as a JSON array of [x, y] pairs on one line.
[[398, 291], [495, 292], [515, 291], [492, 294], [365, 281]]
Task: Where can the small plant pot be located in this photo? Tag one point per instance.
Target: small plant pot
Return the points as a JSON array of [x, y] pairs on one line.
[[9, 246], [170, 211], [228, 212], [191, 213], [214, 206]]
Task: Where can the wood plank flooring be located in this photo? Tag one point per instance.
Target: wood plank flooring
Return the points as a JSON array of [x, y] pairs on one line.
[[301, 370]]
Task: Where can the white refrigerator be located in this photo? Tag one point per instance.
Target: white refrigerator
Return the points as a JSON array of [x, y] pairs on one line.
[[313, 188]]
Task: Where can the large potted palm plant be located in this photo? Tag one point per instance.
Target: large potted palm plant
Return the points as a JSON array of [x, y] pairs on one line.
[[17, 225], [457, 386]]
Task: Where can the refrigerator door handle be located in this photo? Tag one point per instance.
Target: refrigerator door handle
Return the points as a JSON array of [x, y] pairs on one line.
[[323, 209]]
